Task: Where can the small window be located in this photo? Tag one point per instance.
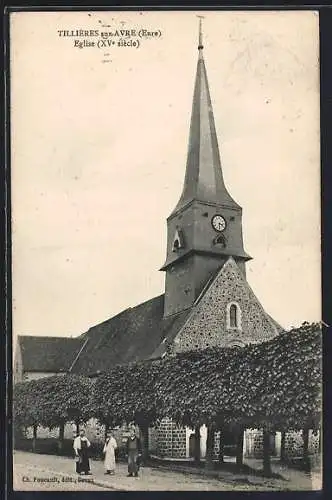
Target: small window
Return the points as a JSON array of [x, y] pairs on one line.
[[220, 239], [233, 316], [233, 319]]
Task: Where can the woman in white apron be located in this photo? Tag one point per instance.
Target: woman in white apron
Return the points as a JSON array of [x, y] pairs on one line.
[[109, 451]]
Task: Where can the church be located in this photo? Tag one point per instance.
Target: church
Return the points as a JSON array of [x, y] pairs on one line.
[[207, 299]]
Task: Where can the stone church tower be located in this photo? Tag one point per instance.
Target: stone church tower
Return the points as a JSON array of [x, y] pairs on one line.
[[206, 261], [205, 227]]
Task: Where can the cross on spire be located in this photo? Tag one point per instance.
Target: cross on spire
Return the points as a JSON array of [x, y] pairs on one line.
[[200, 34]]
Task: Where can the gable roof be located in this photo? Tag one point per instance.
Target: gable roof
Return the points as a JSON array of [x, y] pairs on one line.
[[231, 262], [207, 320], [135, 334], [48, 354]]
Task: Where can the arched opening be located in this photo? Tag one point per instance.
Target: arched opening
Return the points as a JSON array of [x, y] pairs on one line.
[[220, 240], [178, 242], [233, 316]]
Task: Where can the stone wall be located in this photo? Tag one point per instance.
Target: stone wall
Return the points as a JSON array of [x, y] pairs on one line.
[[216, 445], [293, 444], [207, 324], [253, 443], [314, 443], [170, 439]]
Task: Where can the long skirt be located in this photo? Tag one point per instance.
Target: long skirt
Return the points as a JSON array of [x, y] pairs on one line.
[[109, 462], [133, 462], [83, 465]]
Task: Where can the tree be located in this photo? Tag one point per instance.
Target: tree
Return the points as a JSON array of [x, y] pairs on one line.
[[197, 446], [275, 385], [239, 447], [209, 447], [282, 447], [127, 394], [27, 407], [306, 459], [52, 401], [266, 453]]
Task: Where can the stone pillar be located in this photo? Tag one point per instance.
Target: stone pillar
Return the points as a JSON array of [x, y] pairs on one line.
[[245, 437], [188, 434], [203, 433], [278, 444], [171, 439], [253, 443]]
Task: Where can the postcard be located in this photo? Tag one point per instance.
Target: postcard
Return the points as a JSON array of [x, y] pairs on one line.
[[165, 204]]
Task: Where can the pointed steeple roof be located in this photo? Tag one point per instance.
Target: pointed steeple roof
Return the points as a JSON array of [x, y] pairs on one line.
[[203, 180]]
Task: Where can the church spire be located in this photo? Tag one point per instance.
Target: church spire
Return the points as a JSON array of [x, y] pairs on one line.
[[203, 179], [205, 228]]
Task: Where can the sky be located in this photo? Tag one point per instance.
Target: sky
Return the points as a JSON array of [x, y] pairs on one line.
[[99, 150]]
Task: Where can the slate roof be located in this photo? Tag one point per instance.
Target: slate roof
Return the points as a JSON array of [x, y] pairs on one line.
[[135, 334], [48, 354]]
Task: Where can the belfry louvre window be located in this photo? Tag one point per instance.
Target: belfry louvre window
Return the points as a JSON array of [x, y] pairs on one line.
[[178, 241]]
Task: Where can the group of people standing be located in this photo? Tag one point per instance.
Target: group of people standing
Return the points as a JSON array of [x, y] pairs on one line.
[[133, 450]]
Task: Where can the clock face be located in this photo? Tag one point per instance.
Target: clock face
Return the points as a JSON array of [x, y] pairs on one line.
[[218, 223]]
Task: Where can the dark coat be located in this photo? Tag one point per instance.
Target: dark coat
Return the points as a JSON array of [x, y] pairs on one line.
[[138, 445]]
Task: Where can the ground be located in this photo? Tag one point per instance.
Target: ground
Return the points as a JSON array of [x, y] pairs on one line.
[[36, 472]]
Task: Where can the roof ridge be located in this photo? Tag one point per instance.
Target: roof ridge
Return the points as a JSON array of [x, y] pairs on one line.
[[56, 337], [124, 311], [148, 300]]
